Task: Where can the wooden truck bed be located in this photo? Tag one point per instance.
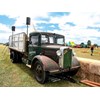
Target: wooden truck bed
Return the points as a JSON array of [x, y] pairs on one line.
[[18, 42]]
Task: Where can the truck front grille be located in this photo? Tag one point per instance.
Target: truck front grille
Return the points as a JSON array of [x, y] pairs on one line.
[[67, 58]]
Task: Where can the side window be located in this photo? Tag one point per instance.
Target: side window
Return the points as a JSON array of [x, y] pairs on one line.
[[34, 40]]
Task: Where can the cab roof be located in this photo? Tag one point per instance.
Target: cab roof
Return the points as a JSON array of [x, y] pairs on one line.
[[48, 33]]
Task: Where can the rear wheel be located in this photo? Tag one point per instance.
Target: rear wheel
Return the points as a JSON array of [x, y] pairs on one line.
[[14, 57], [40, 74]]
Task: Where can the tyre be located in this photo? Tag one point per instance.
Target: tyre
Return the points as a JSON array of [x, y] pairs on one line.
[[19, 58], [40, 74], [14, 57]]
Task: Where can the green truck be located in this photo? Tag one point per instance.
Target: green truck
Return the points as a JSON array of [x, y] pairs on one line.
[[44, 52]]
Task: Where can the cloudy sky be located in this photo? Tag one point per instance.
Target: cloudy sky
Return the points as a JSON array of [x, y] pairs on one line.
[[77, 20]]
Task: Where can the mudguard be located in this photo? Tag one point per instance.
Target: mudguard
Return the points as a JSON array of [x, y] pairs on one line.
[[75, 62], [48, 64]]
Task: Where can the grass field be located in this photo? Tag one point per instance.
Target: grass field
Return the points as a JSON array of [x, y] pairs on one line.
[[86, 53], [18, 75]]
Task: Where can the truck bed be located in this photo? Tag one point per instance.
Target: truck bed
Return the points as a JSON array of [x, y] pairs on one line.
[[18, 42]]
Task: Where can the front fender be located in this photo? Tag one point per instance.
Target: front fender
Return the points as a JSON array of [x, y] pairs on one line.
[[48, 63], [75, 61]]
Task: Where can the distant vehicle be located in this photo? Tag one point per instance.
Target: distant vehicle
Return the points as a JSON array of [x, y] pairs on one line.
[[77, 46], [72, 44], [45, 53]]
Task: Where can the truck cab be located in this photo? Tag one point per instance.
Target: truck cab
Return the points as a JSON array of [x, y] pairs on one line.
[[46, 53], [49, 51], [43, 43]]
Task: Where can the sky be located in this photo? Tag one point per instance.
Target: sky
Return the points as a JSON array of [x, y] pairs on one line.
[[77, 20]]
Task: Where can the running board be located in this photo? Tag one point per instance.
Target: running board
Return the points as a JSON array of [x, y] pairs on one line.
[[28, 65]]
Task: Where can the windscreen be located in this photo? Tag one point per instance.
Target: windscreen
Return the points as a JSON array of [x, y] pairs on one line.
[[52, 39], [60, 40]]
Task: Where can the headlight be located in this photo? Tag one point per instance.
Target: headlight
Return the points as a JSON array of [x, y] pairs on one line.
[[59, 53]]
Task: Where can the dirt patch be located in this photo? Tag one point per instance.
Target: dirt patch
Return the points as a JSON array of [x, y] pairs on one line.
[[90, 69]]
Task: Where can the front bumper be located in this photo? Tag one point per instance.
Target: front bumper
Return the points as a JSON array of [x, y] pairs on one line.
[[67, 70]]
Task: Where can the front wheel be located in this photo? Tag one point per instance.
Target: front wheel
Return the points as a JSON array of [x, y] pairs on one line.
[[40, 74]]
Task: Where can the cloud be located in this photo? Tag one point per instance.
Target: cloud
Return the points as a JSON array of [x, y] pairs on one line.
[[82, 14], [4, 32], [13, 8], [78, 32], [20, 21]]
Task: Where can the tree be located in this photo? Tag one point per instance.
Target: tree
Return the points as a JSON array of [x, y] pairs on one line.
[[96, 45], [88, 43], [82, 45]]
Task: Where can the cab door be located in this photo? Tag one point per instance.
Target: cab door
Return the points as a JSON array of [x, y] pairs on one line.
[[34, 46]]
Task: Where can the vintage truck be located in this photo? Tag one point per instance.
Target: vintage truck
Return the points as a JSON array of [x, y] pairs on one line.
[[45, 53]]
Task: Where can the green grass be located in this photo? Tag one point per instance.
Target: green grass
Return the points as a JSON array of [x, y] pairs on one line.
[[18, 75]]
